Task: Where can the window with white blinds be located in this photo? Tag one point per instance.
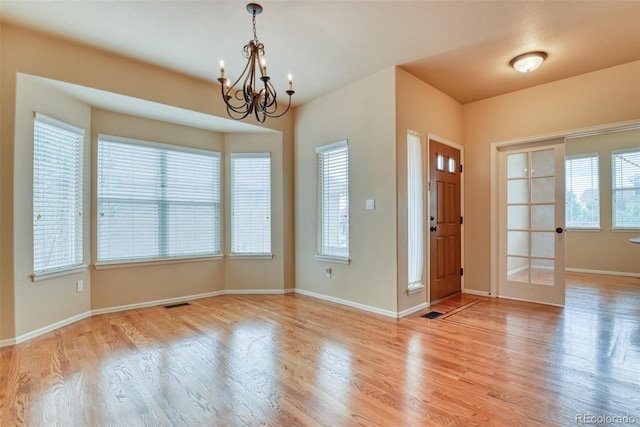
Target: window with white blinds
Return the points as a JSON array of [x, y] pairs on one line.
[[156, 201], [251, 203], [57, 195], [333, 200], [626, 188], [582, 199]]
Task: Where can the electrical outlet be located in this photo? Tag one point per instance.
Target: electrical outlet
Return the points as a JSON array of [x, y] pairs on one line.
[[80, 286], [327, 272]]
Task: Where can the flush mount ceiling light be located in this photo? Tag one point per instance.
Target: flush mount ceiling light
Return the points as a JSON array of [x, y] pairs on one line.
[[248, 98], [528, 62]]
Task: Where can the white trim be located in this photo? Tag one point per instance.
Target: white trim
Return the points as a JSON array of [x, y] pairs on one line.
[[332, 146], [413, 309], [7, 343], [125, 264], [359, 306], [414, 288], [532, 301], [334, 259], [479, 293], [250, 256], [36, 277], [606, 273], [493, 191], [258, 291], [155, 303], [154, 144], [52, 327]]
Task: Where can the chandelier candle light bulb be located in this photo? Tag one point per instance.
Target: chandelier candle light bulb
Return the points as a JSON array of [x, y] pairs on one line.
[[249, 98]]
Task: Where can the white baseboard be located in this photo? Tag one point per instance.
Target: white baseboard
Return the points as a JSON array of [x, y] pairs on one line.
[[475, 292], [258, 291], [607, 273], [155, 303], [7, 343], [65, 322], [359, 306], [414, 309], [49, 328]]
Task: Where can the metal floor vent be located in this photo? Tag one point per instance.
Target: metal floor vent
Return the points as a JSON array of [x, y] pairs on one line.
[[180, 304], [432, 315]]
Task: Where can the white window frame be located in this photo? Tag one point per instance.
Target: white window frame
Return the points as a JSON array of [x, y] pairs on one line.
[[54, 173], [415, 213], [617, 187], [163, 202], [594, 187], [251, 209], [333, 219]]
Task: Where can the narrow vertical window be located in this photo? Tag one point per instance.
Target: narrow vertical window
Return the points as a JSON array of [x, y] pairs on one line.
[[156, 201], [415, 210], [333, 200], [57, 195], [251, 203], [582, 191], [626, 188]]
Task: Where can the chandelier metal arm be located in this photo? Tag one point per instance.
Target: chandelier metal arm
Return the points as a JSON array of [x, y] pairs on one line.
[[241, 102]]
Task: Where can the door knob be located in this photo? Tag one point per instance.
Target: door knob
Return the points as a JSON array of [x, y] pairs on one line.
[[432, 217], [559, 230], [432, 228]]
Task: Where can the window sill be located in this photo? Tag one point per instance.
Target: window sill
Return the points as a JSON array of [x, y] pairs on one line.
[[334, 259], [250, 256], [414, 288], [126, 264], [591, 230], [625, 230], [36, 277]]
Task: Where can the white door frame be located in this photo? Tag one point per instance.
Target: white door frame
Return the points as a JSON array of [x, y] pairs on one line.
[[495, 149], [427, 252]]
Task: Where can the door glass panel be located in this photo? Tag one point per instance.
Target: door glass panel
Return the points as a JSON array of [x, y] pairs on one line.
[[518, 243], [542, 271], [518, 269], [518, 191], [542, 217], [517, 165], [542, 163], [543, 190], [542, 244], [518, 217], [439, 162], [452, 165]]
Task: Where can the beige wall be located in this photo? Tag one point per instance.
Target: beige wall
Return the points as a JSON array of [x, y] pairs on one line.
[[40, 303], [124, 285], [28, 52], [243, 274], [598, 98], [424, 109], [364, 114], [603, 250]]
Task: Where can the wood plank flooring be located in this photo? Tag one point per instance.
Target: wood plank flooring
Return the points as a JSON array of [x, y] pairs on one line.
[[292, 360]]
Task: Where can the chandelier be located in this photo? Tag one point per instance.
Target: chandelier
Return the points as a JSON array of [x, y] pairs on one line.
[[256, 95]]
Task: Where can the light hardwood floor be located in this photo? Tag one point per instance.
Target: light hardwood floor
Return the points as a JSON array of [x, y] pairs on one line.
[[294, 360]]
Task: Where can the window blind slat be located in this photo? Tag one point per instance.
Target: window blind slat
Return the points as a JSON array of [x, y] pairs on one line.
[[626, 188], [156, 201], [333, 200], [582, 191], [57, 195], [250, 203]]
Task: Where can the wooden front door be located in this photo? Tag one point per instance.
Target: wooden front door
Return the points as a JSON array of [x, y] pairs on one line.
[[444, 220]]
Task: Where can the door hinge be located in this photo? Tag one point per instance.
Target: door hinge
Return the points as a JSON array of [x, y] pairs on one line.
[[461, 220], [462, 271], [461, 168]]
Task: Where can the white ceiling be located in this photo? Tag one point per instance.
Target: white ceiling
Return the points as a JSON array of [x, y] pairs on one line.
[[462, 48]]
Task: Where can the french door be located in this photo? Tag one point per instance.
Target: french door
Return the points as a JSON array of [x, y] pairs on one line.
[[531, 223]]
